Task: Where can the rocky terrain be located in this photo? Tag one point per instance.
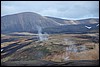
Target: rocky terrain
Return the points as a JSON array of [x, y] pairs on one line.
[[58, 49]]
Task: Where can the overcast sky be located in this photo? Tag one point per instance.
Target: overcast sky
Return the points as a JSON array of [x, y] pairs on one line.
[[60, 9]]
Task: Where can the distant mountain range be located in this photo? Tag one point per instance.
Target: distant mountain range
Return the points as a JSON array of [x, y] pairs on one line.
[[70, 22], [29, 21]]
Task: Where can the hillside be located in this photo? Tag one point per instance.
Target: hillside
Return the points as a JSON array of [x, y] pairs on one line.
[[75, 22], [30, 22], [26, 21]]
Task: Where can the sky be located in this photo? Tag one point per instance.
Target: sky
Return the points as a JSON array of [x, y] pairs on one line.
[[60, 9]]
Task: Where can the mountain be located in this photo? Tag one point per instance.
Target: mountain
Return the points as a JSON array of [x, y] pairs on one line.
[[31, 22], [79, 28], [72, 22], [59, 20], [25, 22]]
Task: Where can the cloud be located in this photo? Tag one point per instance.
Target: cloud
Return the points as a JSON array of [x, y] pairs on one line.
[[61, 9]]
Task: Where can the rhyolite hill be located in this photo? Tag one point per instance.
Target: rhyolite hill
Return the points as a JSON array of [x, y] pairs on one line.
[[29, 21]]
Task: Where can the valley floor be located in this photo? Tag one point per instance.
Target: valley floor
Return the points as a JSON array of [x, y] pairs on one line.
[[63, 49]]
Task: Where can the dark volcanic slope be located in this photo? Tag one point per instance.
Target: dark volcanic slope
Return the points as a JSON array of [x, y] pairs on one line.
[[26, 21], [29, 21], [72, 22], [50, 63], [80, 28]]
